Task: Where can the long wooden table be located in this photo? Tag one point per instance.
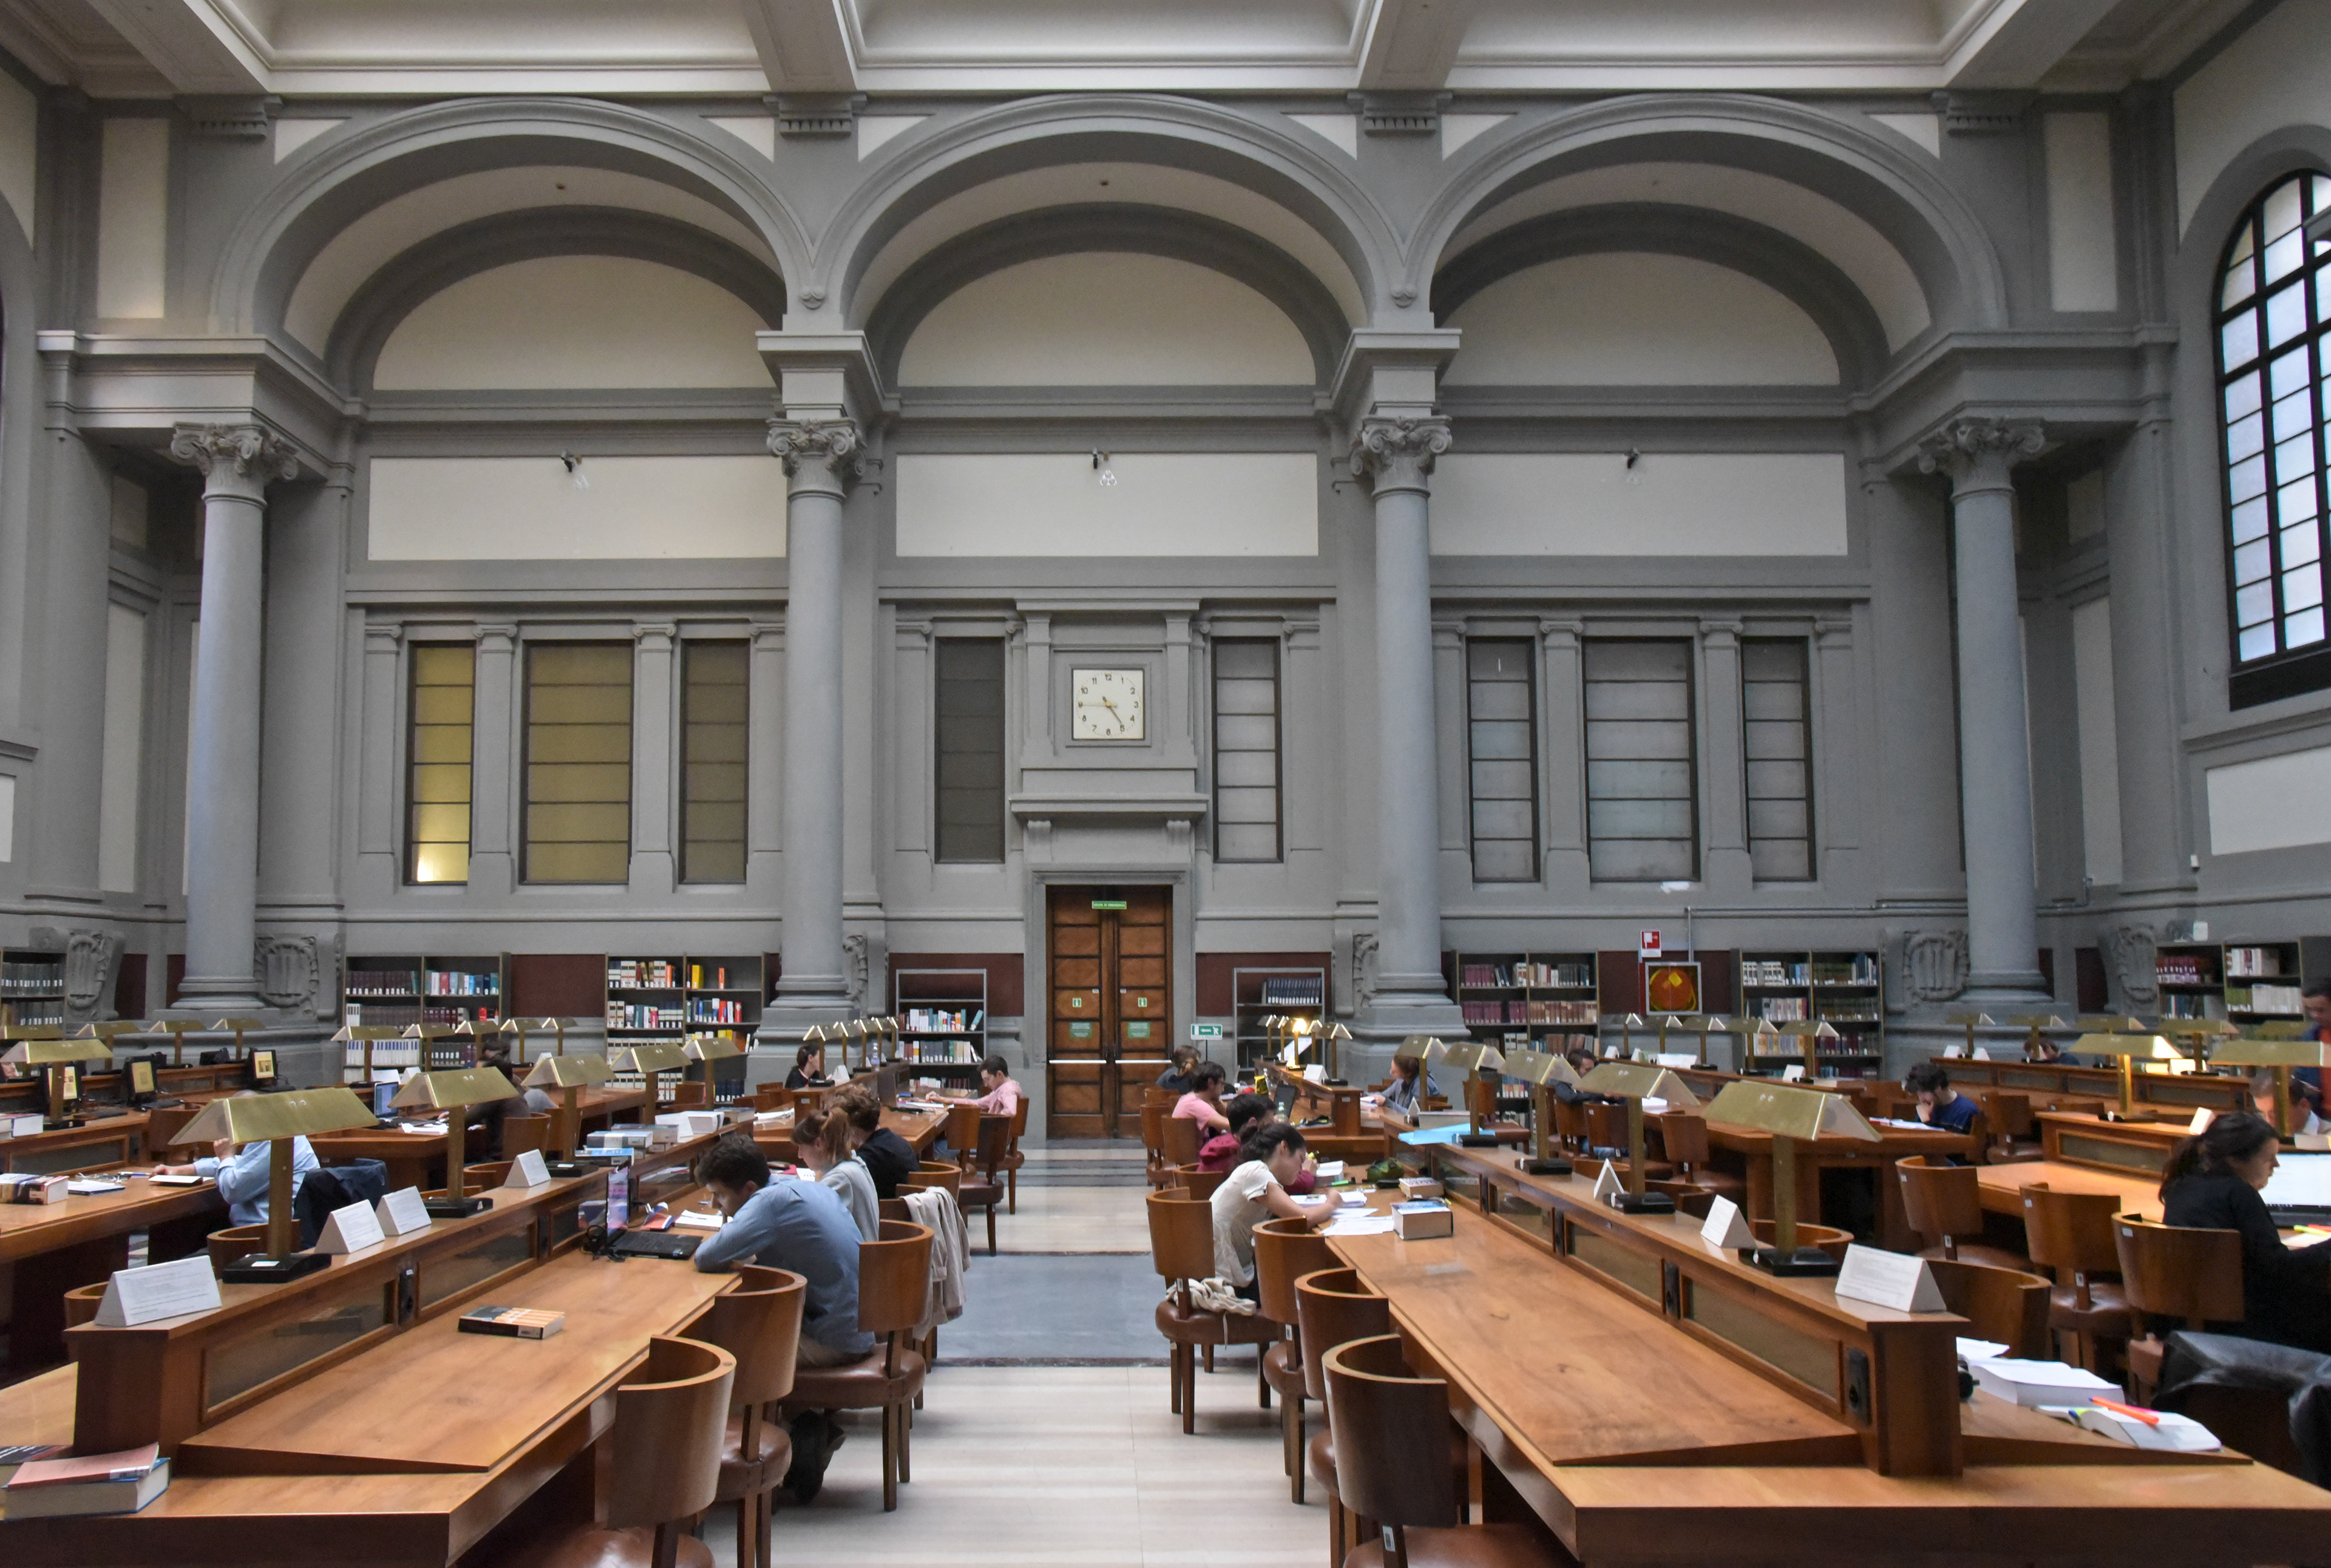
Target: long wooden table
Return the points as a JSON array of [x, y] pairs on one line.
[[418, 1159], [113, 1139], [1751, 1154], [49, 1248], [1646, 1433], [920, 1128]]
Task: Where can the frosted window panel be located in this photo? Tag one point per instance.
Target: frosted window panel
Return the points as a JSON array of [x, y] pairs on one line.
[[1641, 798], [1502, 708], [578, 753], [123, 770], [1247, 770]]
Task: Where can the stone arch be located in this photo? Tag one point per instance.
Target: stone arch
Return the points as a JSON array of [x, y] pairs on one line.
[[1807, 279], [422, 271], [314, 197], [1174, 133], [1224, 248], [1879, 177]]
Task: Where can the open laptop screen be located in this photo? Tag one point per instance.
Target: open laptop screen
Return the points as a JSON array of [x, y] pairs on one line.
[[2301, 1180], [619, 1201]]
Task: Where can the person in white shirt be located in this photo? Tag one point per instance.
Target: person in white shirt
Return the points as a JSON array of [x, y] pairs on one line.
[[1256, 1190], [2303, 1116], [821, 1141]]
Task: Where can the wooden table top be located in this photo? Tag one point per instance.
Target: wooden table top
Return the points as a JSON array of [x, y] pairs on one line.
[[27, 1229], [2001, 1184], [1572, 1374], [919, 1128], [1893, 1142], [487, 1397]]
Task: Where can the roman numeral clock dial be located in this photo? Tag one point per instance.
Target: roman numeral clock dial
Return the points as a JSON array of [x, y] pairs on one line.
[[1106, 705]]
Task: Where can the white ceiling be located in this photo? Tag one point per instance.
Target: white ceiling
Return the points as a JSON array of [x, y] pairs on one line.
[[116, 48]]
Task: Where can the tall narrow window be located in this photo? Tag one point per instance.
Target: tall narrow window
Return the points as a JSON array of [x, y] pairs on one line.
[[578, 762], [437, 762], [1246, 750], [1501, 747], [2271, 378], [713, 720], [970, 748], [1776, 703], [1642, 804]]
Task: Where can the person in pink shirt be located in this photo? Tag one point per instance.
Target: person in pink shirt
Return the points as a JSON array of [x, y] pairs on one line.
[[1249, 1114], [1203, 1104], [1002, 1092]]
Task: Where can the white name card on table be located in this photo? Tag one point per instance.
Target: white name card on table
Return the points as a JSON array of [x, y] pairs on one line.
[[350, 1230], [528, 1171], [1607, 1186], [402, 1212], [159, 1290], [19, 1127], [1793, 1073], [1894, 1279], [1983, 1053], [1679, 1059], [1954, 1051], [1726, 1226], [2202, 1117]]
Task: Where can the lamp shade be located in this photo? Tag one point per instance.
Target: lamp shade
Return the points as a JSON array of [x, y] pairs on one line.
[[2145, 1047], [452, 1088], [57, 1052], [578, 1071], [1538, 1067], [658, 1056], [713, 1047], [1467, 1057], [298, 1112], [1787, 1110], [1640, 1080], [2250, 1051]]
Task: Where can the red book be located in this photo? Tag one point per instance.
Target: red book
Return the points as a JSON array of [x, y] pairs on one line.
[[127, 1465]]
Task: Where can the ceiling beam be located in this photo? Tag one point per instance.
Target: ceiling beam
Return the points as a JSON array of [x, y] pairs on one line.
[[1412, 43], [2020, 40], [194, 48], [804, 45]]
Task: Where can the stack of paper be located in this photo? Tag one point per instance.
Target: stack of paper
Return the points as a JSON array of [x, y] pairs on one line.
[[2149, 1429], [1975, 1350], [2037, 1383]]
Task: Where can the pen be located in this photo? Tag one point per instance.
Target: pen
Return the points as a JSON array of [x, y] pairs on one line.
[[2130, 1411]]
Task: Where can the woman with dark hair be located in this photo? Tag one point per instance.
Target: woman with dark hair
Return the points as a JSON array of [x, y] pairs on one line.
[[1255, 1191], [809, 1067], [1181, 1074], [1203, 1103], [2213, 1183]]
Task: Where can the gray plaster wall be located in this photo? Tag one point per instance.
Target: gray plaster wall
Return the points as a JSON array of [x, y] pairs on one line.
[[2125, 393]]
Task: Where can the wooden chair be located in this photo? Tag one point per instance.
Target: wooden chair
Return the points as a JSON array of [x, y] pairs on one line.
[[1606, 1128], [1333, 1306], [1153, 1143], [1200, 1185], [894, 1284], [2174, 1271], [1384, 1415], [1570, 1123], [1828, 1238], [1942, 1202], [2007, 1115], [1181, 1248], [2070, 1234], [526, 1134], [2004, 1306], [235, 1242], [1481, 1100], [759, 1323], [770, 1097], [962, 1129], [982, 1188], [1013, 1158], [80, 1303], [1284, 1251], [931, 1174], [663, 1467], [1683, 1139], [1179, 1137], [688, 1094], [486, 1176]]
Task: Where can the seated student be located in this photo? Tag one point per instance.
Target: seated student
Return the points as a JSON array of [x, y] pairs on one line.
[[822, 1141], [2046, 1052], [2211, 1183], [1000, 1093], [809, 1067], [1410, 1086], [2305, 1117], [889, 1159], [803, 1227], [1581, 1062], [242, 1175], [1203, 1103], [536, 1102], [1245, 1113], [1256, 1190], [1181, 1075], [1940, 1105]]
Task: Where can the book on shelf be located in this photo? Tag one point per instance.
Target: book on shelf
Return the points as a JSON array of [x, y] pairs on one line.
[[943, 1021], [513, 1322], [2253, 963], [22, 978], [2282, 1000], [383, 982], [1781, 1009], [715, 978], [716, 1010], [641, 975], [459, 982], [639, 1015], [1286, 991]]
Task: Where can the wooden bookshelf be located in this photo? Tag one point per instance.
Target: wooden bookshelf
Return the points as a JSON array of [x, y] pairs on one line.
[[394, 991], [2242, 983], [1526, 999], [32, 986], [1845, 989], [942, 1017]]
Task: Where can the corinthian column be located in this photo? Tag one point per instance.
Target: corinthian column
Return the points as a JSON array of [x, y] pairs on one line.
[[821, 458], [223, 754], [1398, 452], [1994, 744]]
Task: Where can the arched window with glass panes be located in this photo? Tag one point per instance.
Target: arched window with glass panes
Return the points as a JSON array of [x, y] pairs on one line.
[[2271, 313]]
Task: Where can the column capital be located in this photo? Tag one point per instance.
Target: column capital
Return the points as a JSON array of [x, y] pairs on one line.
[[649, 634], [1976, 453], [382, 636], [1398, 449], [1721, 632], [821, 456], [235, 458]]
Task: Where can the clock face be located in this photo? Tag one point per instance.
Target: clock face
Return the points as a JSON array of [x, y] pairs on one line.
[[1105, 705]]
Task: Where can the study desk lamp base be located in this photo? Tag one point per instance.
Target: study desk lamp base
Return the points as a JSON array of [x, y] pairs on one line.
[[1643, 1202], [1546, 1167], [456, 1208], [1804, 1263], [258, 1268]]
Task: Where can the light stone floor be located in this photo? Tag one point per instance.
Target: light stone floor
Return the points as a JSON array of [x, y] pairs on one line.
[[1069, 1219], [1059, 1468]]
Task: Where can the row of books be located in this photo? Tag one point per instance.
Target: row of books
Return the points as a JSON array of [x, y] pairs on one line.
[[922, 1052], [1294, 991], [403, 1014], [643, 974], [21, 978], [381, 983], [2253, 963], [461, 983], [644, 1015], [2276, 999], [717, 1010], [1533, 1011], [384, 1052], [2181, 969], [31, 1012], [942, 1020], [1858, 969]]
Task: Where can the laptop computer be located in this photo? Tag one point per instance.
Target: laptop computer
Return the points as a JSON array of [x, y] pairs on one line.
[[2299, 1190], [625, 1243]]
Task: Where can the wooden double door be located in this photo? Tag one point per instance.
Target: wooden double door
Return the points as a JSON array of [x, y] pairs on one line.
[[1109, 984]]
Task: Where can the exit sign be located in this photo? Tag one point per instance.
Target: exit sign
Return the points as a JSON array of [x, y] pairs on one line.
[[1205, 1031], [1108, 903]]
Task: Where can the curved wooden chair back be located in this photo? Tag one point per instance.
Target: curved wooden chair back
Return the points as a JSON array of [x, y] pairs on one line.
[[671, 1416], [1480, 1098], [1332, 1306], [893, 1208], [80, 1303], [1284, 1251], [1939, 1200], [525, 1135], [1153, 1128], [1606, 1127], [1684, 1137], [1019, 1122], [2174, 1271], [963, 1127], [1570, 1123], [894, 1278], [1383, 1416], [236, 1241], [2004, 1306], [691, 1095], [2070, 1232], [1828, 1238], [809, 1099], [929, 1175], [994, 1145], [488, 1173], [759, 1324], [1154, 1096], [1181, 1235], [1200, 1185], [2008, 1110], [1178, 1136], [771, 1096]]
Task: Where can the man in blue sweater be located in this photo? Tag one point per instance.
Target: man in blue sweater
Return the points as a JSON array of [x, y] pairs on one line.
[[803, 1227]]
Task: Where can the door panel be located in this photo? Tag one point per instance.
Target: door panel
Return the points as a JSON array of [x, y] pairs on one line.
[[1110, 980]]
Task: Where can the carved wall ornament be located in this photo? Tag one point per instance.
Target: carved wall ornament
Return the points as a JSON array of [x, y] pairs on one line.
[[2132, 968], [249, 450], [1364, 967], [91, 958], [287, 970], [854, 958], [1933, 964]]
